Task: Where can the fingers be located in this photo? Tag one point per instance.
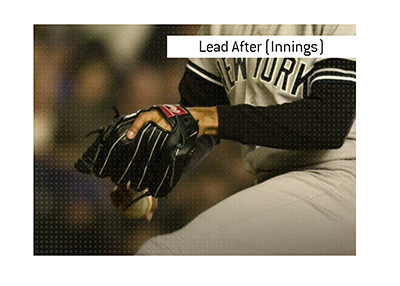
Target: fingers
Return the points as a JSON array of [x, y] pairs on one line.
[[137, 125], [149, 215], [143, 118], [120, 196]]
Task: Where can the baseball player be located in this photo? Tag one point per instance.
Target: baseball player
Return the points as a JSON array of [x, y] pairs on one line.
[[296, 120]]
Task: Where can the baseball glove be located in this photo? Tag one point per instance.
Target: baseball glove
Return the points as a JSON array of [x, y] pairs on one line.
[[153, 160]]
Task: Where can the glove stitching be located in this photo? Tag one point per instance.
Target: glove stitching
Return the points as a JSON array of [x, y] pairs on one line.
[[151, 155], [108, 155], [134, 155], [173, 167], [166, 172]]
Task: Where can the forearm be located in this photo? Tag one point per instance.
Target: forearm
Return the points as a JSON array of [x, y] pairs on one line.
[[207, 119]]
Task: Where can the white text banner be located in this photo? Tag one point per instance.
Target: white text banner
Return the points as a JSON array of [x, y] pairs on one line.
[[261, 46]]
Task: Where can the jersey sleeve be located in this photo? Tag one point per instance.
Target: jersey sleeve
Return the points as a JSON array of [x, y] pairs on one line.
[[205, 67], [201, 84], [330, 70]]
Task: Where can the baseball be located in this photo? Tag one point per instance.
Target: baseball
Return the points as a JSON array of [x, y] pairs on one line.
[[140, 208], [121, 197]]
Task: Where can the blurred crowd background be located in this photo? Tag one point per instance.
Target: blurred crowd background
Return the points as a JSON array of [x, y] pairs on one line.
[[79, 73]]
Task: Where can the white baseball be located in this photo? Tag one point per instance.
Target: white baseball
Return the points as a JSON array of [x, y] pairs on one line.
[[140, 208]]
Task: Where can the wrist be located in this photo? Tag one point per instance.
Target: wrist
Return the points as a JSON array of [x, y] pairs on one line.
[[207, 119]]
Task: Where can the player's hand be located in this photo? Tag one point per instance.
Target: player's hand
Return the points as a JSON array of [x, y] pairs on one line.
[[121, 197], [207, 120], [143, 118], [149, 215]]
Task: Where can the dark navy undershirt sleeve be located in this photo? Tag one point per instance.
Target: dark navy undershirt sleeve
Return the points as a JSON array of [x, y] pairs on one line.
[[308, 124]]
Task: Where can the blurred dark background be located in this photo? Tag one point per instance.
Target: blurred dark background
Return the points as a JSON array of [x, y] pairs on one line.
[[79, 73]]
